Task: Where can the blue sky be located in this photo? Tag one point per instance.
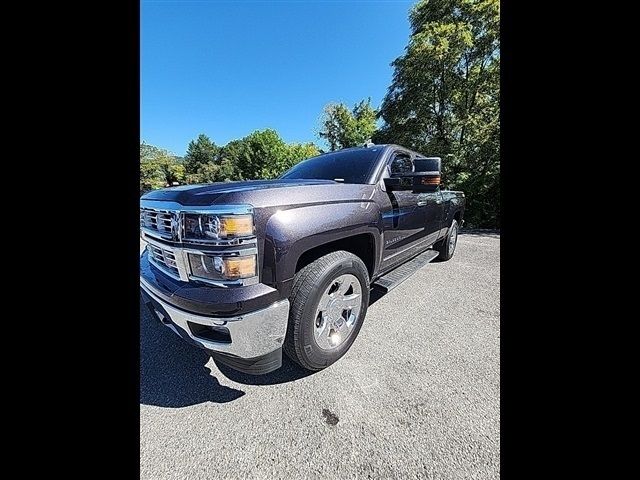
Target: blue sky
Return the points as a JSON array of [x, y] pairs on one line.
[[227, 68]]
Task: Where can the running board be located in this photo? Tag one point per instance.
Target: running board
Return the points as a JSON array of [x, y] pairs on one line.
[[395, 277]]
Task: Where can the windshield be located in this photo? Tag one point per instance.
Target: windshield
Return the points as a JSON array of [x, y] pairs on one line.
[[348, 166]]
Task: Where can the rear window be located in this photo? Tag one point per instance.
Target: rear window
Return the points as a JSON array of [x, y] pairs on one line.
[[349, 166]]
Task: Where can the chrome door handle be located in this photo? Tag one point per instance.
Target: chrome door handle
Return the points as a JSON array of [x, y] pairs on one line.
[[422, 203]]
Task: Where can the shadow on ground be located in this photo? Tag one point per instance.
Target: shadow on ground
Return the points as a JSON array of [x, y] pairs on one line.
[[174, 374], [288, 372], [375, 295]]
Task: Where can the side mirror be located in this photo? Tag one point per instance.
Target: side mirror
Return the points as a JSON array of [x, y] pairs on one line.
[[416, 181], [398, 183], [425, 181], [426, 178]]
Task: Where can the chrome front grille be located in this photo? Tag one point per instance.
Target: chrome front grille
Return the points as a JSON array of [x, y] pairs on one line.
[[156, 221], [164, 257]]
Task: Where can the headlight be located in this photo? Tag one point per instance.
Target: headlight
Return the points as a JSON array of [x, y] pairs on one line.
[[216, 226], [223, 268]]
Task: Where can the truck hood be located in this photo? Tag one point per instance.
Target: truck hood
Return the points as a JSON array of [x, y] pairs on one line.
[[260, 193]]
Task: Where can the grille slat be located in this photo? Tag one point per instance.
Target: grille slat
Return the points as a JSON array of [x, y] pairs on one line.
[[158, 221], [163, 257]]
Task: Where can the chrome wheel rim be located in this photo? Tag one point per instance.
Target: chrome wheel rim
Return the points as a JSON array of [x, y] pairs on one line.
[[453, 239], [337, 312]]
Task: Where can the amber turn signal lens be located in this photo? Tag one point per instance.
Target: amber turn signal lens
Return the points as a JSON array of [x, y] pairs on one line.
[[236, 226], [431, 180], [240, 267]]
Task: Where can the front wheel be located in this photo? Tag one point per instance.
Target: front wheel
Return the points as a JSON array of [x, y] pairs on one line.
[[329, 301], [447, 246]]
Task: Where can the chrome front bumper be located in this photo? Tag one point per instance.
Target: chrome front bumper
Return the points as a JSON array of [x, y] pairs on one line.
[[252, 335]]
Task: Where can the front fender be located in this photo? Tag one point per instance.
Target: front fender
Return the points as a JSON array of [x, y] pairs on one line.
[[289, 233]]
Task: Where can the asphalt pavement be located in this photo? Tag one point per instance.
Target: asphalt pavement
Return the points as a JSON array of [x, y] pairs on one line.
[[416, 396]]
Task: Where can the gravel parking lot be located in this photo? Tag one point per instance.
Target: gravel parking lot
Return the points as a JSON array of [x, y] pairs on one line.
[[417, 396]]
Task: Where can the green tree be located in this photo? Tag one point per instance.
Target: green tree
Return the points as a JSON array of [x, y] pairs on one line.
[[158, 168], [343, 128], [204, 162], [200, 152], [444, 98], [261, 149], [294, 153], [219, 171], [263, 154]]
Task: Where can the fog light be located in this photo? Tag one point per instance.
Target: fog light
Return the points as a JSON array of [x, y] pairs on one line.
[[222, 268]]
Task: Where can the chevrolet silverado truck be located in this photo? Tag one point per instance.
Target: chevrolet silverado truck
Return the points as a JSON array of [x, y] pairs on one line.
[[248, 269]]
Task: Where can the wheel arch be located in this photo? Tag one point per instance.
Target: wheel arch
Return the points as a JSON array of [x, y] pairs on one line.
[[296, 237]]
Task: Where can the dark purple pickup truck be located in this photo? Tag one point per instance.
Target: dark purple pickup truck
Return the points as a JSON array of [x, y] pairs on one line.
[[247, 269]]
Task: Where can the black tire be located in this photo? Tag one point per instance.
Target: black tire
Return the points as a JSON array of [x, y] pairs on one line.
[[445, 247], [309, 285]]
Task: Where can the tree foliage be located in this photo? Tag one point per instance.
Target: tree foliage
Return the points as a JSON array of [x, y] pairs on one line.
[[262, 154], [158, 168], [444, 98], [203, 162], [200, 152], [213, 171], [343, 128], [259, 151]]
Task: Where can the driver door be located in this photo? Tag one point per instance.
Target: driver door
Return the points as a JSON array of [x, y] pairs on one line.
[[404, 219]]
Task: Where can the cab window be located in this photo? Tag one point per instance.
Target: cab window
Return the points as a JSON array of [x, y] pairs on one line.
[[401, 164]]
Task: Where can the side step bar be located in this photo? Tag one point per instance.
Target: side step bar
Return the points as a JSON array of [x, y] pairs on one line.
[[395, 277]]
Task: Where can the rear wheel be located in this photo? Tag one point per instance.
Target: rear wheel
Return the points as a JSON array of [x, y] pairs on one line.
[[447, 246], [329, 301]]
